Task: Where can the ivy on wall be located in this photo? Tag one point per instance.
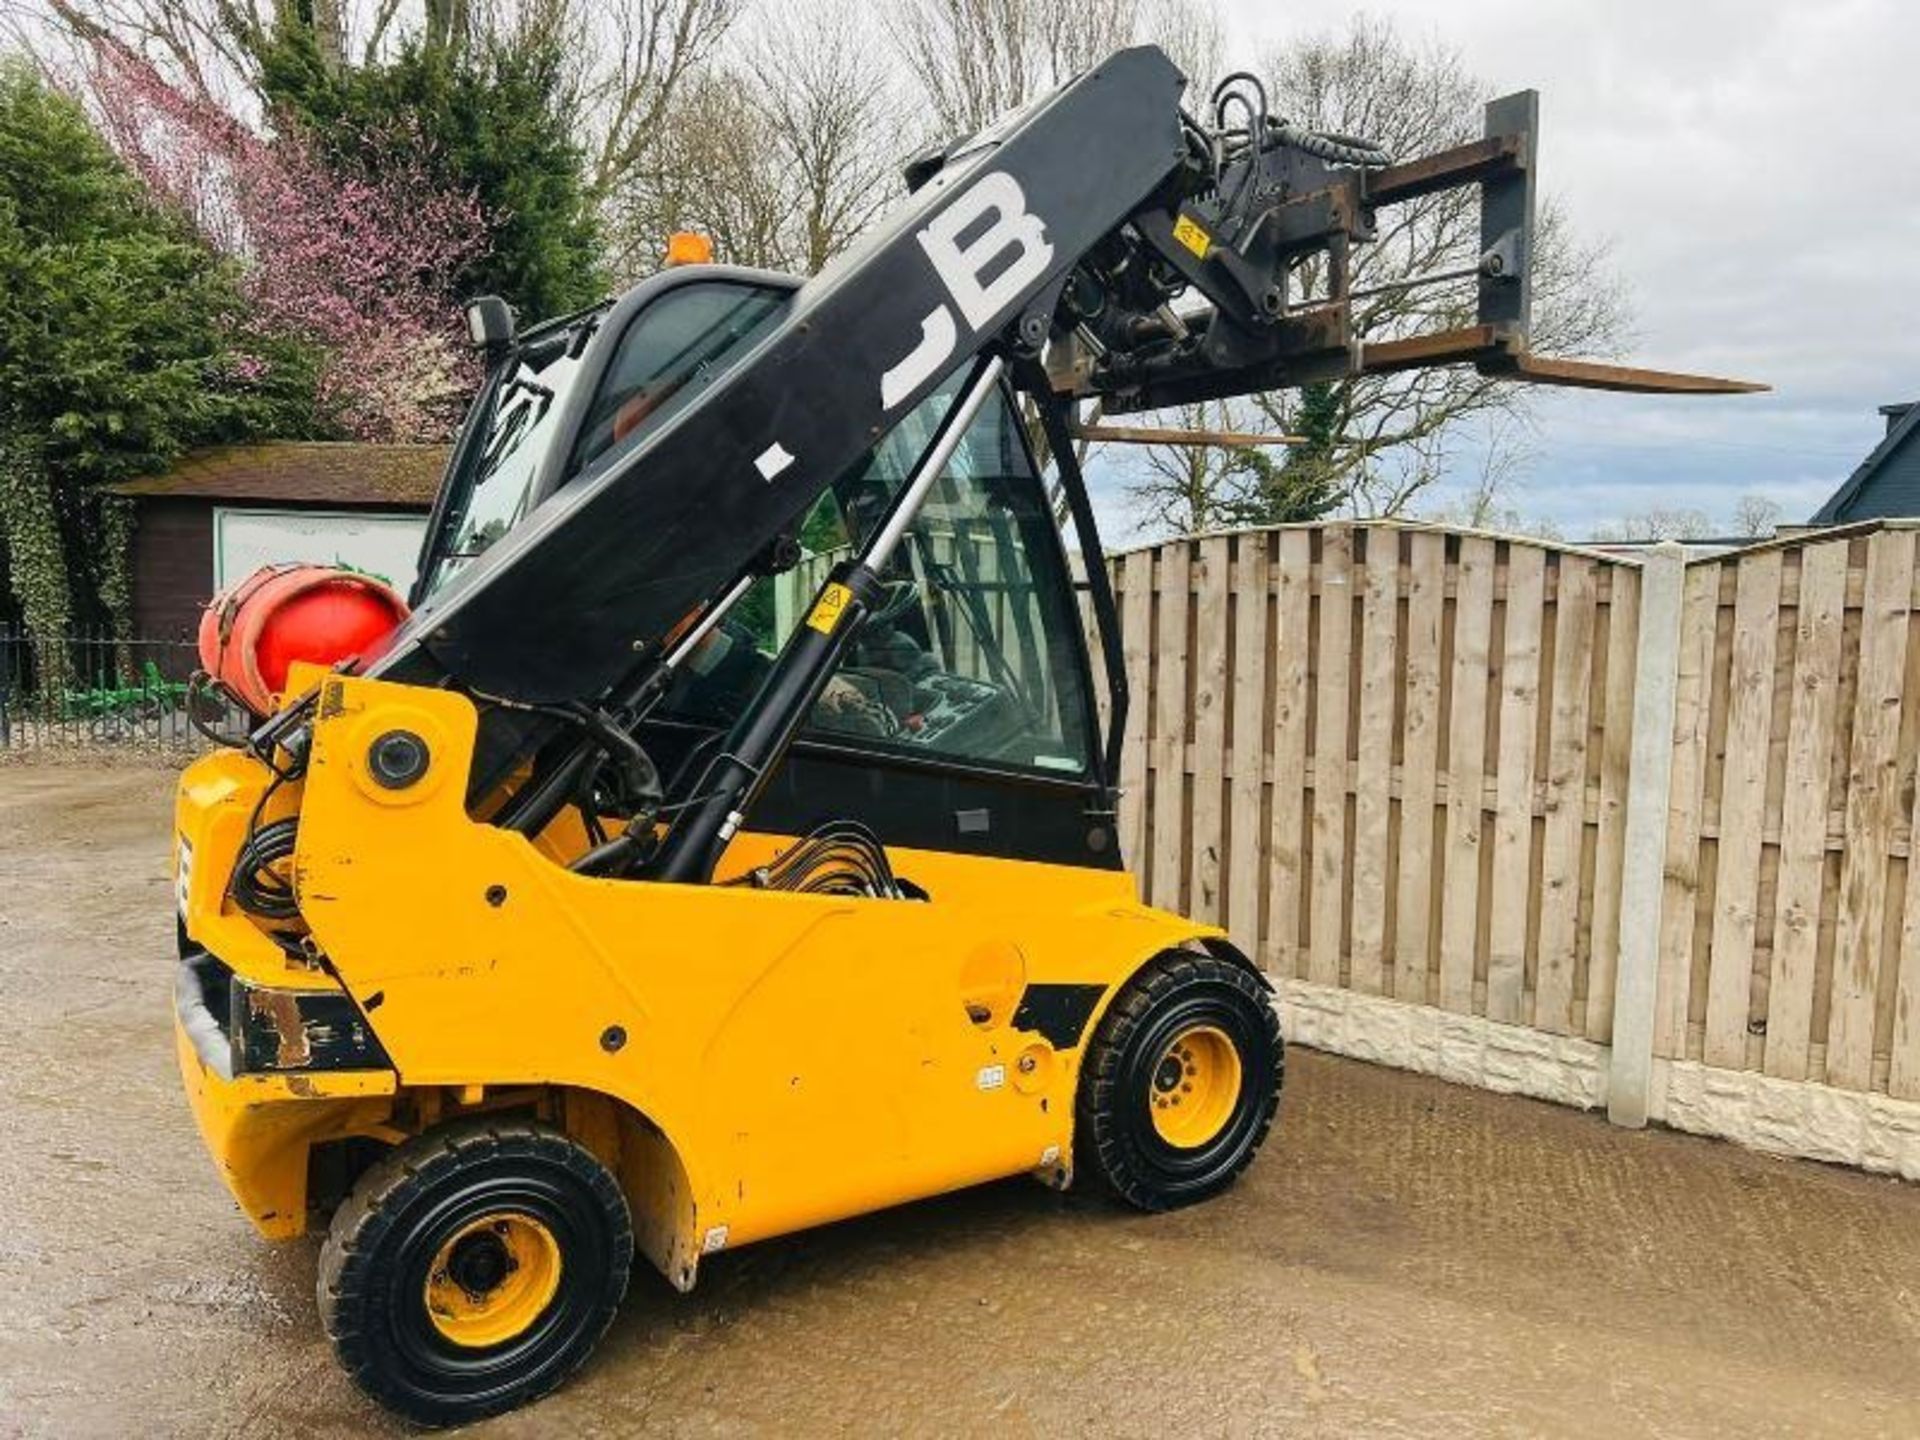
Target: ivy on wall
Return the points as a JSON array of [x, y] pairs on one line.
[[37, 566]]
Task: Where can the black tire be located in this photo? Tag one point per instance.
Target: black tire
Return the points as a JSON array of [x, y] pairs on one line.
[[427, 1200], [1133, 1056]]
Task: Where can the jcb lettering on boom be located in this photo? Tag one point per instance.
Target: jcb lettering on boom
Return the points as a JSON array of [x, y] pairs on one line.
[[982, 268]]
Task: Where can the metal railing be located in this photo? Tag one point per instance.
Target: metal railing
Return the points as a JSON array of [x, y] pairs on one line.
[[95, 689]]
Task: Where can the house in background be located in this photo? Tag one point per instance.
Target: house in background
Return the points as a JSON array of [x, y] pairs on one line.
[[1887, 483], [220, 514]]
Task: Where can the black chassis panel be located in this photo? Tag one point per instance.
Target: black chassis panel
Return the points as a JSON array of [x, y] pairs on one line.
[[922, 804], [241, 1029]]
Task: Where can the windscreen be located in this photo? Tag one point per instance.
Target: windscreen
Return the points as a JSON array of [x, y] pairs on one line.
[[496, 487]]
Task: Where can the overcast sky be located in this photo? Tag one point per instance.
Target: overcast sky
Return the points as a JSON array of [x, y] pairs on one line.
[[1755, 167]]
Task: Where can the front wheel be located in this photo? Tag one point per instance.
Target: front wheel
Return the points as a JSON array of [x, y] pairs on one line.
[[474, 1269], [1181, 1082]]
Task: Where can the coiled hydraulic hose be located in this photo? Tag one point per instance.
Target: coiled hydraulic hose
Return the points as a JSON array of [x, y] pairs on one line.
[[257, 885], [1335, 149]]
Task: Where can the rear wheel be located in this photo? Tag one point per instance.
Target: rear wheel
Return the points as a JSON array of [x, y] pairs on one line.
[[1181, 1082], [474, 1269]]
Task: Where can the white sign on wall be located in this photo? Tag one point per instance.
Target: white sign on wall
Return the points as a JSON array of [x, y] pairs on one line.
[[385, 546]]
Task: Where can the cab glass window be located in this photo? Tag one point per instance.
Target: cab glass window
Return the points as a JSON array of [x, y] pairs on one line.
[[671, 349], [973, 653], [498, 489]]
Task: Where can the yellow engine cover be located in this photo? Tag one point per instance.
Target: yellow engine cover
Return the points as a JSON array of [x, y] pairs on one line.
[[804, 1057]]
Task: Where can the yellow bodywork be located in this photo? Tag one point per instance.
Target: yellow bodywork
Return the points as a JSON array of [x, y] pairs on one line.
[[749, 1062]]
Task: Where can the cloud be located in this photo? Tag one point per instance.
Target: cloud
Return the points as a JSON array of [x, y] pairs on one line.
[[1754, 166]]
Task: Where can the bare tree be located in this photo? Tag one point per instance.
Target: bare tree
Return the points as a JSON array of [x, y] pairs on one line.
[[706, 172], [1488, 492], [833, 116], [629, 60], [978, 59], [1657, 523], [784, 152], [1185, 489], [216, 46], [633, 60], [1756, 515], [1389, 431], [1490, 500]]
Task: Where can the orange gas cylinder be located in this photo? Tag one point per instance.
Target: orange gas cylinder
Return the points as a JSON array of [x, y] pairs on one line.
[[253, 631]]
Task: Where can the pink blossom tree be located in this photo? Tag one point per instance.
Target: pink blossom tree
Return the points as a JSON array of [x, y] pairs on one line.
[[359, 267]]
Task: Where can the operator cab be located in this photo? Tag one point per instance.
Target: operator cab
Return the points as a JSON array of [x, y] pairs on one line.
[[962, 715], [558, 406]]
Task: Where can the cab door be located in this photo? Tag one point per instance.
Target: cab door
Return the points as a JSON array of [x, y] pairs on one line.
[[962, 717]]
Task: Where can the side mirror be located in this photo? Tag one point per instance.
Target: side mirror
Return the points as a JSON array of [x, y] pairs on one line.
[[490, 323]]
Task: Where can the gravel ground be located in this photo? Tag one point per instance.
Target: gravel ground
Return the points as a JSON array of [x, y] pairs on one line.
[[1406, 1257]]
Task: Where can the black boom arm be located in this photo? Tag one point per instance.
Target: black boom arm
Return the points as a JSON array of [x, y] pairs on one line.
[[1146, 257], [1102, 242]]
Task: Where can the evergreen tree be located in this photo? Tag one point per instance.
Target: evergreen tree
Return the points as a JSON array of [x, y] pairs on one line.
[[122, 343], [489, 119], [1305, 484]]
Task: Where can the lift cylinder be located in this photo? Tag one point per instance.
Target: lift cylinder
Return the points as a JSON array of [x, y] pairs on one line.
[[253, 631]]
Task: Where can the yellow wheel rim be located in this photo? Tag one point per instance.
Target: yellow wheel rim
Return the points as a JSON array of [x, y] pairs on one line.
[[493, 1279], [1194, 1086]]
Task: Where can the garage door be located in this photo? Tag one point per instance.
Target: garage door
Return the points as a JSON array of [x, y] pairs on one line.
[[382, 545]]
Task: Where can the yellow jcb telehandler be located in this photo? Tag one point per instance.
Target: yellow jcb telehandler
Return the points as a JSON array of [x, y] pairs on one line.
[[725, 843]]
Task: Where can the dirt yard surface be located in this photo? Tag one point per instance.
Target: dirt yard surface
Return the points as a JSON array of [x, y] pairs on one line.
[[1406, 1257]]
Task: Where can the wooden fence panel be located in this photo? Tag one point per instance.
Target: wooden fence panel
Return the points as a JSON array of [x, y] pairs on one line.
[[1558, 959], [1419, 767], [1164, 868], [1396, 759], [1872, 805], [1212, 577], [1616, 757], [1332, 685], [1743, 796], [1903, 1067], [1291, 700], [1511, 898], [1784, 927], [1692, 710], [1801, 888], [1252, 654], [1466, 771], [1373, 765]]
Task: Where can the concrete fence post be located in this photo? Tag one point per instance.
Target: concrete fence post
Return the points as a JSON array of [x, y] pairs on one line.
[[1649, 796]]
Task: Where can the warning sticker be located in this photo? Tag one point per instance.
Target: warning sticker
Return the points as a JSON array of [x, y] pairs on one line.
[[826, 610], [1188, 232]]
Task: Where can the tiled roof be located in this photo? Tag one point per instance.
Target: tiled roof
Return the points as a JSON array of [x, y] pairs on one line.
[[306, 472], [1854, 499]]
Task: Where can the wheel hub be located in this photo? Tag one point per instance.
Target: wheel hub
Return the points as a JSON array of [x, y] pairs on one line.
[[479, 1263], [492, 1279], [1196, 1086]]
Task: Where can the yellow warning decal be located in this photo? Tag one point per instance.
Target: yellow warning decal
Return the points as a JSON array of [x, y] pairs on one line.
[[1188, 232], [826, 610]]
